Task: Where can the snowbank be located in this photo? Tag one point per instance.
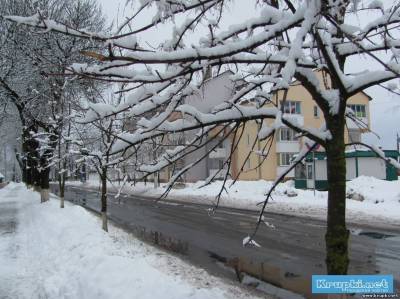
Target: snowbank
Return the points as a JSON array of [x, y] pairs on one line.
[[381, 204], [63, 253]]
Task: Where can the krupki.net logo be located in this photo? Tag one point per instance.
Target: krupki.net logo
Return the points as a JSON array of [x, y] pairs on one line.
[[349, 284]]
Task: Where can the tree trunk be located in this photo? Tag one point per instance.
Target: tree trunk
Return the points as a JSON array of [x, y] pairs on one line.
[[36, 177], [61, 184], [23, 172], [32, 173], [32, 159], [156, 180], [44, 185], [104, 199], [28, 173], [104, 221], [337, 235], [62, 190]]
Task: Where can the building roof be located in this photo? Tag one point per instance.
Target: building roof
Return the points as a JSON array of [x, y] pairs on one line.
[[1, 176]]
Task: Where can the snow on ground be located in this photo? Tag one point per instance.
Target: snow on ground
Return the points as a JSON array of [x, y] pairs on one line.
[[63, 253], [381, 204]]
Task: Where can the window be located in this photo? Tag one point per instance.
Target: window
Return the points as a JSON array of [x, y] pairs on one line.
[[316, 112], [284, 159], [286, 134], [216, 163], [291, 107], [248, 139], [359, 110]]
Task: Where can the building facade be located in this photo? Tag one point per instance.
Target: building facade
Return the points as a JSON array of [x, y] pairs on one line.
[[284, 146]]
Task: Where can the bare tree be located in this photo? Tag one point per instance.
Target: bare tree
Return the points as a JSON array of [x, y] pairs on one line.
[[25, 81], [96, 143]]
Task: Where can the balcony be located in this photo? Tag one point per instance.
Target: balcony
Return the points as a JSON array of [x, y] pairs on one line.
[[218, 153], [297, 119], [363, 121], [287, 146]]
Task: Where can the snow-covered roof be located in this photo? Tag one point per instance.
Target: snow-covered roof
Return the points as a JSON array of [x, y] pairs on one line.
[[1, 176]]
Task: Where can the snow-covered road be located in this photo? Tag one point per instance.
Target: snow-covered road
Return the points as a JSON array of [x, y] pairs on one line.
[[48, 252]]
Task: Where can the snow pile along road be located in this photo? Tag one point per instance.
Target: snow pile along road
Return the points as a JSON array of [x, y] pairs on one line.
[[63, 253], [370, 200]]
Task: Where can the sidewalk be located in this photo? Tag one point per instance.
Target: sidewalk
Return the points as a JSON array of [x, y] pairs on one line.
[[49, 252], [8, 224]]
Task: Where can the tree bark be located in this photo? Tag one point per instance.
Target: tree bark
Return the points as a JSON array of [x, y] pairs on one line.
[[104, 199], [35, 176], [28, 173], [31, 159], [337, 234], [62, 189], [61, 183], [44, 185]]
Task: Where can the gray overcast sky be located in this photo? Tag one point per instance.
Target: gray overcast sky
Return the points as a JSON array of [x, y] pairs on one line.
[[385, 107]]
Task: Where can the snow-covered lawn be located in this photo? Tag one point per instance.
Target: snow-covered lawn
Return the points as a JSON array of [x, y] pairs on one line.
[[381, 204], [63, 253]]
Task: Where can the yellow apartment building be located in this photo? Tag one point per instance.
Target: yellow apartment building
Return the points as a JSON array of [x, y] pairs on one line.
[[285, 143]]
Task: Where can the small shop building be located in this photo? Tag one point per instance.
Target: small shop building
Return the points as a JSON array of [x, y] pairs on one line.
[[312, 172], [1, 178]]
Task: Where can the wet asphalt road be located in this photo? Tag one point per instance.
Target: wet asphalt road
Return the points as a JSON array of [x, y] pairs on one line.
[[288, 256]]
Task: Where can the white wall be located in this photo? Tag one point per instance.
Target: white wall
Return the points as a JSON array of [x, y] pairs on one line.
[[320, 170], [372, 167], [368, 166], [351, 168]]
